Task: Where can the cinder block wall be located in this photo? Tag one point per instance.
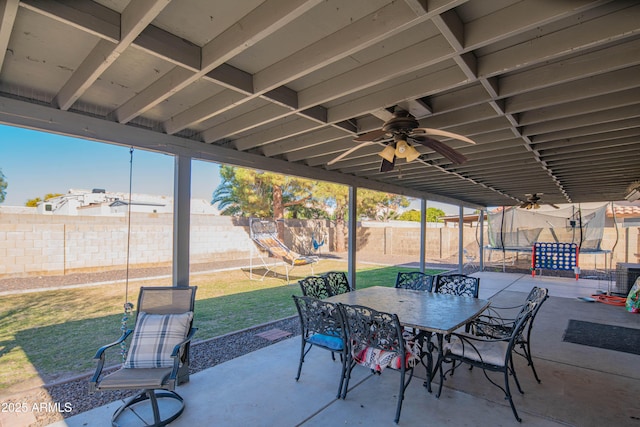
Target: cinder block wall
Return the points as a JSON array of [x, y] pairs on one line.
[[41, 244], [219, 238], [33, 244], [441, 243]]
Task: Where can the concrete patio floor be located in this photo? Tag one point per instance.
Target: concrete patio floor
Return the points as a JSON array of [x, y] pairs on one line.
[[581, 385]]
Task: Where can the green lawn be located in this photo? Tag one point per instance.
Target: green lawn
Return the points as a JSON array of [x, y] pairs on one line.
[[50, 335]]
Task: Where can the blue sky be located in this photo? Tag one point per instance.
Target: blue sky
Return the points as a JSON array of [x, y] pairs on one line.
[[36, 163]]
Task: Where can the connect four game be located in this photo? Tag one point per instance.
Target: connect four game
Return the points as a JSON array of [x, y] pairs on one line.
[[555, 256]]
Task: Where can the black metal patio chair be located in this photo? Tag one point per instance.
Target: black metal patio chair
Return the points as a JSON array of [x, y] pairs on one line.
[[489, 354], [376, 341], [415, 280], [158, 356], [322, 325], [457, 284], [315, 286], [499, 322], [337, 282]]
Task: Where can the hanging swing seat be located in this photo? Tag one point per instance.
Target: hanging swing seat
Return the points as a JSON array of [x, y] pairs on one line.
[[264, 233], [317, 244], [318, 237]]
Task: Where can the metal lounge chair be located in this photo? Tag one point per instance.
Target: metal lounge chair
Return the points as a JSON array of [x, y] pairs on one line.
[[158, 357], [265, 234], [470, 265]]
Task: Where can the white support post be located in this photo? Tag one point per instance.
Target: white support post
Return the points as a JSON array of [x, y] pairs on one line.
[[460, 239], [423, 233], [351, 242], [481, 239], [181, 219]]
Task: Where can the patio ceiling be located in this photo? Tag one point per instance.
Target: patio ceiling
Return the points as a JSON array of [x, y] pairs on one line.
[[549, 90]]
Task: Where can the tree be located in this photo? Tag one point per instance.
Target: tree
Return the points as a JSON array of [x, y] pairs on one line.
[[410, 215], [32, 203], [372, 204], [247, 192], [336, 199], [3, 187], [240, 195], [433, 215], [306, 211], [253, 193], [380, 206]]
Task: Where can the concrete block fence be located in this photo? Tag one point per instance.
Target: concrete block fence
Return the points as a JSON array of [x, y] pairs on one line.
[[32, 244]]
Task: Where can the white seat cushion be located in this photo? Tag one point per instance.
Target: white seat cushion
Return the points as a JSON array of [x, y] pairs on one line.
[[492, 352], [155, 337]]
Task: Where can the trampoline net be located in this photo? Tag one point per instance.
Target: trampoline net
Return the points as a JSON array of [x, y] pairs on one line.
[[518, 229]]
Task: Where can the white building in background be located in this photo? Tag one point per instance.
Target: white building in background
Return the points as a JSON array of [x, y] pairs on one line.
[[99, 202]]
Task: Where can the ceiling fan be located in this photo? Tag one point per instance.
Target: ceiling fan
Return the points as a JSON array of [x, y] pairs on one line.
[[533, 202], [398, 131]]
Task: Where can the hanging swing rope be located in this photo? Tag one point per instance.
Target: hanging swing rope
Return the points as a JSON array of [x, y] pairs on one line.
[[128, 306]]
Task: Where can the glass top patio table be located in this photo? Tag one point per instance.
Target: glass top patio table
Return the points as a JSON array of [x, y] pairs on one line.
[[437, 313]]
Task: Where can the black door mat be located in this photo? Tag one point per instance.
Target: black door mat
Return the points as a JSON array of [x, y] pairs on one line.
[[599, 335]]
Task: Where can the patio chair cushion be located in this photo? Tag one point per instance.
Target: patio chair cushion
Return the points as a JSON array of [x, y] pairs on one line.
[[490, 352], [154, 338], [378, 359], [135, 379], [332, 342]]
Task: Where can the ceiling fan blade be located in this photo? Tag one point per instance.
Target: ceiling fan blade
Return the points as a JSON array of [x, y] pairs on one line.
[[444, 133], [373, 136], [442, 148], [524, 205], [552, 205], [349, 151], [386, 166]]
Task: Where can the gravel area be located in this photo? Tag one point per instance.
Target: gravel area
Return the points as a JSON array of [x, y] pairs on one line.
[[72, 397]]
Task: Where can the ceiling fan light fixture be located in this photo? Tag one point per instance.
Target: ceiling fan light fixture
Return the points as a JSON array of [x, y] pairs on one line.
[[412, 154], [395, 134], [406, 151], [388, 153], [402, 149]]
